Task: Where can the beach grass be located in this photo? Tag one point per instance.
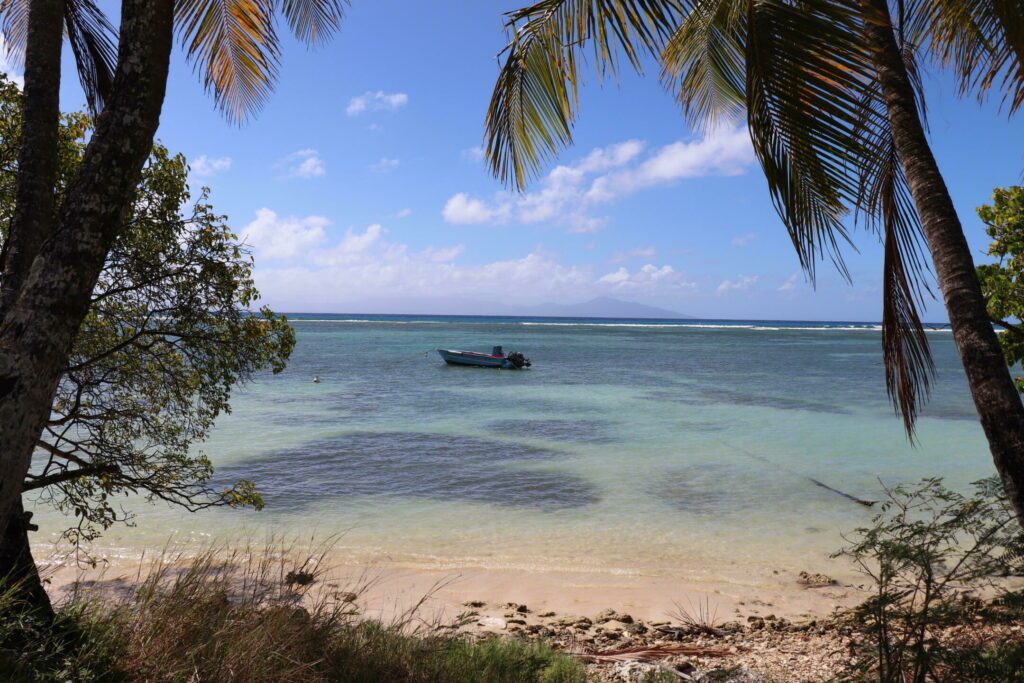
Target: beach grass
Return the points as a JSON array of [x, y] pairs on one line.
[[253, 616]]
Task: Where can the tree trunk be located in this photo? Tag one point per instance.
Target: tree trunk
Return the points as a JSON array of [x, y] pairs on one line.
[[18, 571], [33, 216], [38, 331], [997, 400]]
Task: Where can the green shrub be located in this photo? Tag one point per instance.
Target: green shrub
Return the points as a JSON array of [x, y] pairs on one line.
[[931, 555]]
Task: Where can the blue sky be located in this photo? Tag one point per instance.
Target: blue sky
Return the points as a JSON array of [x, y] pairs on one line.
[[360, 188]]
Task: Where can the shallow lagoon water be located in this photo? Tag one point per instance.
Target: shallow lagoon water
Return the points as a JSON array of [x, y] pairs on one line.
[[655, 447]]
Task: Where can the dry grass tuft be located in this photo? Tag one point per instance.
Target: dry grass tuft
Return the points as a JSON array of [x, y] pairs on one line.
[[259, 614]]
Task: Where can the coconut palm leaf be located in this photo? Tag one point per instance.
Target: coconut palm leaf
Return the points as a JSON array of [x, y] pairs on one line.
[[534, 101], [805, 77], [313, 22], [93, 42], [888, 207], [800, 73], [234, 45], [981, 40], [704, 62], [14, 26]]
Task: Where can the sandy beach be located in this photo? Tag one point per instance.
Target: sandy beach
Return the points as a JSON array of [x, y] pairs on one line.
[[388, 590]]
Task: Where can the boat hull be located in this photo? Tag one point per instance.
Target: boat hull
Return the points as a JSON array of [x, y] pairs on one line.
[[479, 360]]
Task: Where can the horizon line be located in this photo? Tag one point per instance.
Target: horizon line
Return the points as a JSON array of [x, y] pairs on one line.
[[602, 317]]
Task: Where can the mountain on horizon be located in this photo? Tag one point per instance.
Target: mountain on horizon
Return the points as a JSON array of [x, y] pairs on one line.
[[603, 307]]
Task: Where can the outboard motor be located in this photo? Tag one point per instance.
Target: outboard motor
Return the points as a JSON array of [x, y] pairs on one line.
[[518, 360]]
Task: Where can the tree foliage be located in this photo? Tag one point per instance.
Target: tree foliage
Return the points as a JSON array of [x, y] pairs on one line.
[[1003, 281], [168, 336]]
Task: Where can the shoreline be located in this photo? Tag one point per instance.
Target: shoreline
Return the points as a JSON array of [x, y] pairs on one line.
[[388, 589]]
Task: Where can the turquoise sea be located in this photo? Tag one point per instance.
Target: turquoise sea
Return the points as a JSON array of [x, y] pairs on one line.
[[664, 447]]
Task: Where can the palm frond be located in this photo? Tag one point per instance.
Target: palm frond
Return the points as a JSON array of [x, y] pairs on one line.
[[983, 42], [14, 27], [533, 106], [94, 43], [313, 21], [704, 62], [886, 204], [806, 74], [234, 45]]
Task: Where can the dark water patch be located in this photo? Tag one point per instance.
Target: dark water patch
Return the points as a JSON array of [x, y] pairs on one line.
[[435, 466], [585, 431], [950, 412], [721, 489], [703, 396], [687, 398]]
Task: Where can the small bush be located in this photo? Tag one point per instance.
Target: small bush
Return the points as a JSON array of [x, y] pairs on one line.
[[932, 554]]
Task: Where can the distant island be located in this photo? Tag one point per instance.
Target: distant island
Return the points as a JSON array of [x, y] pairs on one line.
[[603, 307]]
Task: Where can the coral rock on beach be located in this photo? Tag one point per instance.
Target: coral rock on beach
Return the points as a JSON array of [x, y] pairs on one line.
[[815, 580]]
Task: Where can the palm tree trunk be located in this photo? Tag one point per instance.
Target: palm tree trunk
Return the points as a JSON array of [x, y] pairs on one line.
[[995, 397], [38, 331], [33, 216]]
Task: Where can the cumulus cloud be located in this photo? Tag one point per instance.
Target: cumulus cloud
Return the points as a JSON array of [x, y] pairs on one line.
[[723, 152], [351, 248], [276, 238], [463, 209], [569, 194], [740, 284], [649, 278], [404, 213], [743, 240], [304, 163], [384, 165], [204, 166], [473, 153], [376, 101], [300, 266]]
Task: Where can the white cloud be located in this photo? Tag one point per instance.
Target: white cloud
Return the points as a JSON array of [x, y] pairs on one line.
[[305, 163], [568, 194], [791, 282], [351, 248], [602, 159], [376, 101], [204, 166], [443, 254], [298, 266], [273, 238], [740, 284], [722, 152], [384, 165], [639, 252], [649, 278], [9, 66], [404, 213], [473, 153], [463, 209], [743, 240]]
